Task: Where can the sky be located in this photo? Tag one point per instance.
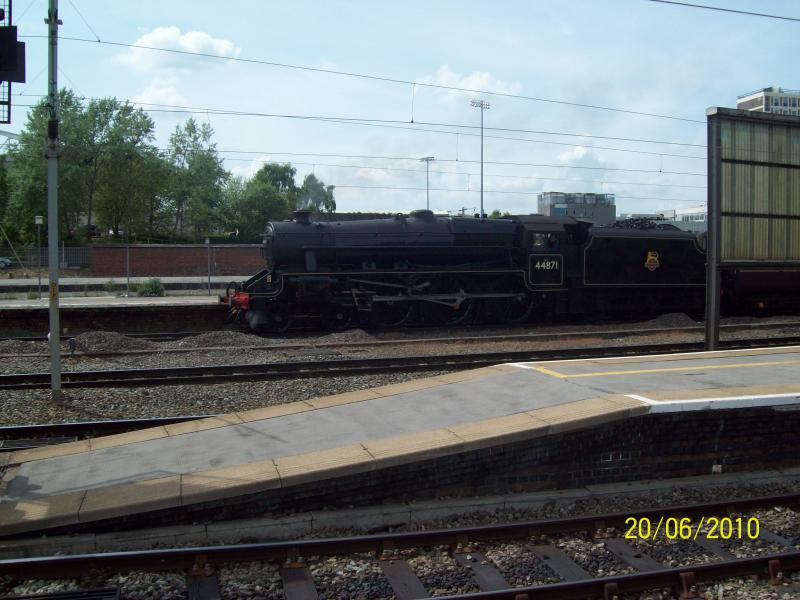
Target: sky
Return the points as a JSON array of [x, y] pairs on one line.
[[630, 55]]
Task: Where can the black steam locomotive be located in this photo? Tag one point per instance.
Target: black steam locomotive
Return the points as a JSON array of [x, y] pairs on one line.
[[446, 270]]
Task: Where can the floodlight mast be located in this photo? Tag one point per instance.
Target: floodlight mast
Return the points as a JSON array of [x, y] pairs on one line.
[[483, 105], [427, 160]]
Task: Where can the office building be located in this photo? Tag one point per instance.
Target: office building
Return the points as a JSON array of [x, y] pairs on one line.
[[599, 208], [773, 100]]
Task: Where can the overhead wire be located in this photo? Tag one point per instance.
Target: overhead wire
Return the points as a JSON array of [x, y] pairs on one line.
[[485, 191], [397, 124], [25, 12], [85, 22], [727, 10], [369, 123], [454, 160], [374, 77], [468, 174]]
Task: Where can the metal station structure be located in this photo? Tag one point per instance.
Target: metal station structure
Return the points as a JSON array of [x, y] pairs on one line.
[[753, 199]]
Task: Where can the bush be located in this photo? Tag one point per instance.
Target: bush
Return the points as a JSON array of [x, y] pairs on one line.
[[110, 286], [33, 295], [151, 287]]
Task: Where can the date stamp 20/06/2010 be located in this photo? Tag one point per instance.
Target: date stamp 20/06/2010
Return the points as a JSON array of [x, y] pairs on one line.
[[673, 528]]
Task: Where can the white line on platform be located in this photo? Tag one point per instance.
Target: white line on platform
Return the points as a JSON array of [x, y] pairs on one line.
[[698, 354], [718, 403]]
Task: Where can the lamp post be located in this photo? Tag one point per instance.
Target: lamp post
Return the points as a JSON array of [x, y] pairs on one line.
[[427, 160], [208, 256], [38, 220], [483, 105]]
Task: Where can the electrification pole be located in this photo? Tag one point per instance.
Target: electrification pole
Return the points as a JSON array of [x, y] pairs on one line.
[[483, 106], [427, 160], [52, 153]]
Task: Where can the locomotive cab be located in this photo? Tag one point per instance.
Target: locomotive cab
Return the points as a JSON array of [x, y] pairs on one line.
[[550, 250]]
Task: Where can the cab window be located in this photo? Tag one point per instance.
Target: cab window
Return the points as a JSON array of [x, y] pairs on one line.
[[545, 241]]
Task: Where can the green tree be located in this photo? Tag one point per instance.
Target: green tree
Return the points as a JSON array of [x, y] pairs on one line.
[[99, 174], [27, 172], [128, 185], [95, 147], [233, 191], [280, 177], [270, 195], [197, 176], [316, 196], [496, 214], [132, 200], [259, 203]]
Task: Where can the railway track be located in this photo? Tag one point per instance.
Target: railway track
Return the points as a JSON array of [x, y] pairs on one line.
[[153, 337], [22, 437], [339, 367], [393, 551], [291, 343]]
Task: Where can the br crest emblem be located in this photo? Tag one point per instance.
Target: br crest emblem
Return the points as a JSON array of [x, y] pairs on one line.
[[652, 262]]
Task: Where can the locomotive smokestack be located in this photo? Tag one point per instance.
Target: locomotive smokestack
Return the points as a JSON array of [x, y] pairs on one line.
[[303, 217]]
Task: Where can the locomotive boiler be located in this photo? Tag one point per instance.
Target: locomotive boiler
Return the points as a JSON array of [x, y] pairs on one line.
[[438, 270]]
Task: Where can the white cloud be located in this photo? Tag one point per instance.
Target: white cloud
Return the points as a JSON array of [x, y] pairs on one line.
[[171, 38], [162, 91], [373, 176], [247, 170], [581, 156], [477, 80]]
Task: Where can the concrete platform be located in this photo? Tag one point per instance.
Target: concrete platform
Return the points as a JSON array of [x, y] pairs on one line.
[[94, 285], [272, 450], [99, 302], [100, 313]]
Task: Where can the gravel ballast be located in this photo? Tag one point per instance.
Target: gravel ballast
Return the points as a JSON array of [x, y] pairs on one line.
[[360, 576], [86, 404]]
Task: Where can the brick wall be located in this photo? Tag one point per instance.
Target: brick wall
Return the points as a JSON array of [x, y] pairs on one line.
[[162, 260], [647, 447]]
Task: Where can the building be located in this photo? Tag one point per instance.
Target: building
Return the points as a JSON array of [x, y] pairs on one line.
[[599, 208], [771, 100]]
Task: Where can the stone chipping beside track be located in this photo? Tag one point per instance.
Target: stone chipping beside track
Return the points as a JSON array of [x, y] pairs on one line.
[[90, 404], [136, 585], [517, 564], [86, 404], [350, 577], [235, 344], [354, 576], [251, 581], [341, 577]]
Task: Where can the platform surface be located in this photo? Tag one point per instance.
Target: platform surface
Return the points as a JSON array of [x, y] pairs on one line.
[[110, 302], [281, 446], [78, 281]]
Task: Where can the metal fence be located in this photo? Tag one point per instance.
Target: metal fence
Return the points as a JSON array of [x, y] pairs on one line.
[[69, 256]]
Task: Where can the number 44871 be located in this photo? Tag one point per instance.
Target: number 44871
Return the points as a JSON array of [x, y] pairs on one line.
[[546, 265]]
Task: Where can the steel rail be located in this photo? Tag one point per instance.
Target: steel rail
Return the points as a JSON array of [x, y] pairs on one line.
[[182, 558], [154, 337], [611, 587], [290, 344], [290, 337], [330, 368]]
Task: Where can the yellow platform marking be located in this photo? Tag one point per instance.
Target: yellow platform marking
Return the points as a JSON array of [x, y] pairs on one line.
[[558, 375]]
